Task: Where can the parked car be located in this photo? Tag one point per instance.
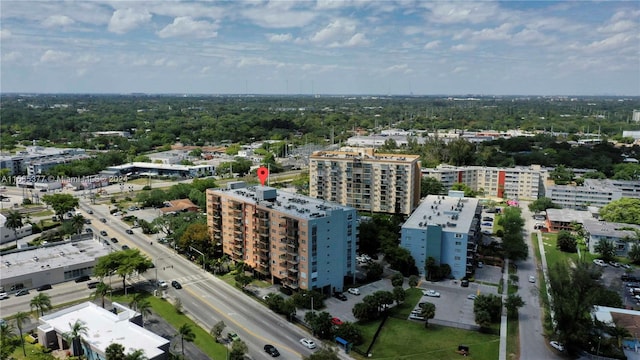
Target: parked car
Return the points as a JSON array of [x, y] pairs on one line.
[[614, 263], [464, 283], [271, 350], [487, 218], [432, 293], [340, 296], [22, 292], [416, 316], [93, 284], [556, 345], [354, 291], [599, 262], [83, 278], [336, 321], [308, 343], [233, 337], [4, 295], [125, 247], [88, 230], [44, 287], [487, 224], [472, 296], [626, 266], [480, 264], [129, 231], [163, 284]]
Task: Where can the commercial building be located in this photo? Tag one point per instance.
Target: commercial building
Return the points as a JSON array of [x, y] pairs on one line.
[[142, 169], [36, 159], [366, 180], [51, 263], [516, 182], [104, 327], [293, 240], [446, 228], [8, 235]]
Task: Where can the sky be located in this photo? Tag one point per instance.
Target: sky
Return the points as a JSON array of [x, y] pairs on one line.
[[321, 47]]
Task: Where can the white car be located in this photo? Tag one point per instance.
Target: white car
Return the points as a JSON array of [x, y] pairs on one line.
[[432, 293], [163, 284], [599, 262], [532, 279], [3, 296], [472, 296], [308, 343], [556, 345], [354, 291]]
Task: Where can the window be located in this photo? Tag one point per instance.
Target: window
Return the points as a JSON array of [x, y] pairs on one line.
[[458, 236]]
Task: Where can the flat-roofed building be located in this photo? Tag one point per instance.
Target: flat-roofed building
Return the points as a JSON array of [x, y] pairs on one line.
[[293, 240], [446, 228], [8, 235], [366, 180], [516, 182], [593, 192], [564, 219], [619, 234], [52, 263], [104, 327]]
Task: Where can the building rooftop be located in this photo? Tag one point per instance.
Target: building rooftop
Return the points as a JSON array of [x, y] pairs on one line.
[[104, 328], [603, 228], [453, 214], [50, 256], [297, 205], [569, 215], [364, 154]]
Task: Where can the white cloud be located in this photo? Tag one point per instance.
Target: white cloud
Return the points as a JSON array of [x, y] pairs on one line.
[[531, 36], [124, 20], [257, 61], [186, 26], [402, 68], [459, 69], [88, 59], [11, 56], [5, 34], [461, 12], [339, 33], [611, 43], [54, 56], [57, 21], [618, 26], [499, 33], [463, 47], [278, 18], [358, 39], [277, 38], [432, 44]]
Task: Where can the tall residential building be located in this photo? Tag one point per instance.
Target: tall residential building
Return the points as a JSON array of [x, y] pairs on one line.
[[517, 182], [366, 180], [446, 228], [293, 240]]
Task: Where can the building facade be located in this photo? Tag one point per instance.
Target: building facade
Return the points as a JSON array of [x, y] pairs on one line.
[[593, 192], [622, 236], [512, 183], [365, 180], [293, 240], [446, 228]]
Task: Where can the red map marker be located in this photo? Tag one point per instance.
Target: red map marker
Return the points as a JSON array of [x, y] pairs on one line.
[[263, 174]]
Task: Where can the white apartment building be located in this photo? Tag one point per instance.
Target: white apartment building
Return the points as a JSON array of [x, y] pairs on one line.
[[366, 180], [594, 192]]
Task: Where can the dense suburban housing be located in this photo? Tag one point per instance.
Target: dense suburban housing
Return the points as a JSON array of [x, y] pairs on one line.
[[366, 180], [446, 228], [293, 240]]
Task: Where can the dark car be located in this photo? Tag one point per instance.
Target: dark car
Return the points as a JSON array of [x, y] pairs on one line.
[[271, 350], [89, 230], [487, 218], [176, 284], [93, 284], [103, 220], [125, 247], [114, 240], [83, 278], [22, 292], [44, 287], [340, 296], [103, 233], [89, 212], [87, 221], [129, 231], [464, 283]]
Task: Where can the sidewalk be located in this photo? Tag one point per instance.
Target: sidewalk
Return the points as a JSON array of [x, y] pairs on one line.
[[503, 319]]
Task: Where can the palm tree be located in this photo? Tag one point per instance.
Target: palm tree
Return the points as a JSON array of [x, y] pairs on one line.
[[137, 354], [186, 333], [136, 300], [114, 351], [42, 303], [73, 336], [144, 308], [6, 339], [619, 333], [102, 290], [427, 311], [14, 222], [21, 317], [77, 223]]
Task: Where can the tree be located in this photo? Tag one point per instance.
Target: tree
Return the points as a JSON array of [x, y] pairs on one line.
[[320, 323], [397, 279], [427, 311], [606, 249], [430, 186], [238, 349], [413, 280], [431, 268], [114, 351], [384, 299], [73, 336], [561, 175], [243, 280], [489, 303], [634, 254], [77, 223], [483, 318], [102, 290], [513, 303], [144, 308], [14, 222], [513, 243], [122, 263], [7, 343], [625, 210], [542, 204], [217, 329], [374, 271], [324, 354], [350, 332], [399, 294], [41, 302], [61, 203], [20, 318], [468, 192], [618, 332], [186, 334], [137, 354], [566, 242]]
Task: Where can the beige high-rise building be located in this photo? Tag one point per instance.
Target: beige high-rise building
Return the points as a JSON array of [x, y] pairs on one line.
[[290, 239], [366, 180]]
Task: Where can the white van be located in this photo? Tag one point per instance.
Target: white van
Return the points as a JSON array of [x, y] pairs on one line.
[[3, 296]]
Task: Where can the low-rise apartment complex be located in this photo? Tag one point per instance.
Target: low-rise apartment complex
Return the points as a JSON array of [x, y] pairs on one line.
[[446, 228], [366, 180], [293, 240], [594, 192]]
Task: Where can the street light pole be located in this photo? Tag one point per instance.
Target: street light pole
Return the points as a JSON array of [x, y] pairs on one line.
[[201, 253]]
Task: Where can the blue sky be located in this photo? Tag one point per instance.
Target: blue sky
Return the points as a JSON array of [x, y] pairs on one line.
[[321, 47]]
